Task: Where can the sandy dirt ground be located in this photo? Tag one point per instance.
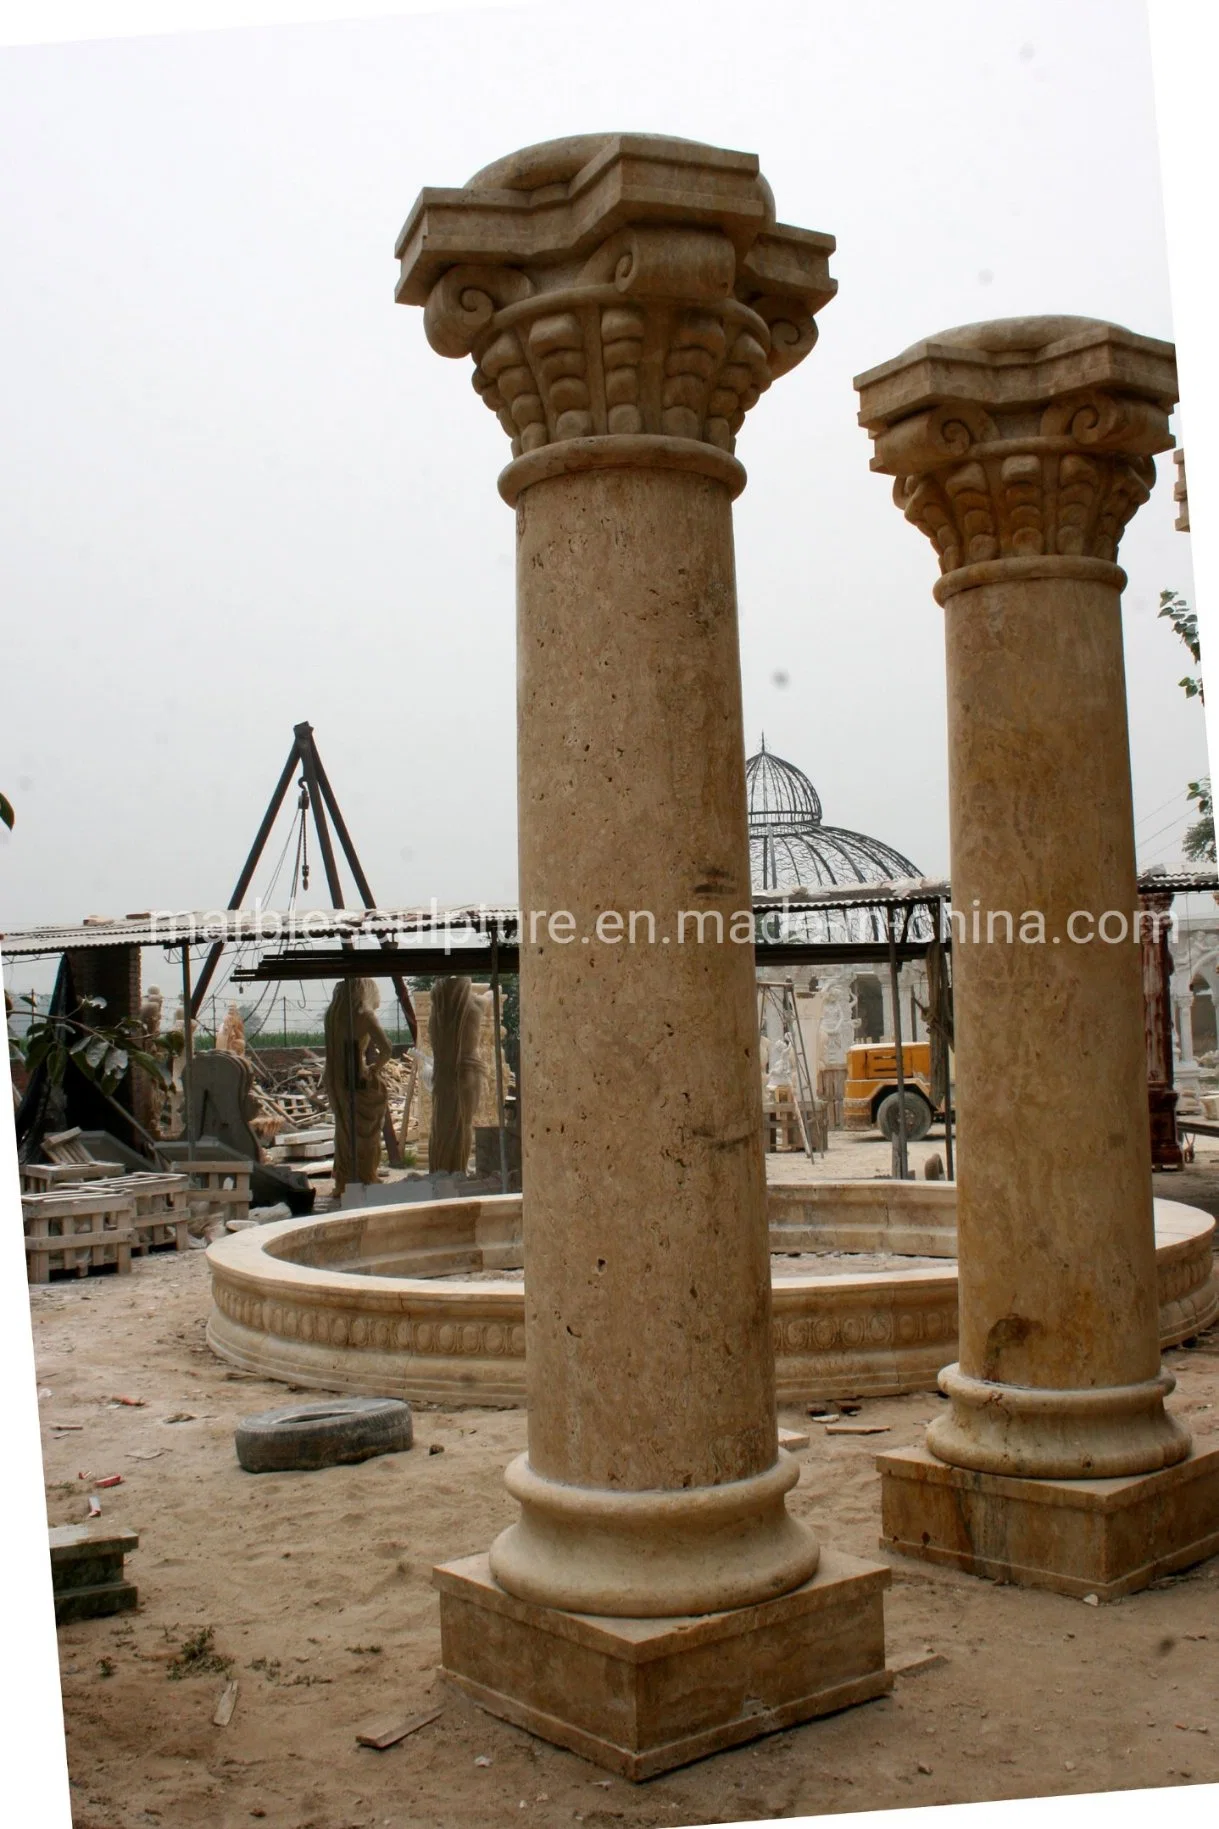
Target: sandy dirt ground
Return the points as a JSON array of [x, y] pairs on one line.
[[316, 1591]]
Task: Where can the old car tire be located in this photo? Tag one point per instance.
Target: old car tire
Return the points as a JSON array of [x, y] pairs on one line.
[[918, 1116], [326, 1433]]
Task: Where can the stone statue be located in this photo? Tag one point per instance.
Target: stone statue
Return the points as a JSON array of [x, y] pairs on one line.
[[357, 1048], [454, 1022], [837, 1017], [150, 1011], [230, 1037]]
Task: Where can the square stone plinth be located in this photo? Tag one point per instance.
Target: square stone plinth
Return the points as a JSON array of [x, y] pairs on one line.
[[1102, 1537], [640, 1696]]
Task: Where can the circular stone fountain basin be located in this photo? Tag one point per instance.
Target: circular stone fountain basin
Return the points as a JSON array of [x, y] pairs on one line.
[[425, 1301]]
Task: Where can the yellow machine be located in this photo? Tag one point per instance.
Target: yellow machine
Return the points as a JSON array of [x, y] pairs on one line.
[[870, 1097]]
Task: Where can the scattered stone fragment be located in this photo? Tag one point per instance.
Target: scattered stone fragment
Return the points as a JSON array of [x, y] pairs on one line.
[[1091, 1600], [857, 1429], [226, 1705]]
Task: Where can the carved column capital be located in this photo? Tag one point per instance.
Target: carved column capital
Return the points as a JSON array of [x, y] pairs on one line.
[[616, 285], [1022, 442]]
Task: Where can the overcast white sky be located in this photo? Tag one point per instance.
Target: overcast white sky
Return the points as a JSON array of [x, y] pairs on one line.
[[238, 489]]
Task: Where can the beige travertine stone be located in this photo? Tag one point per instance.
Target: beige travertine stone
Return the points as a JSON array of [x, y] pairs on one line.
[[1022, 448], [642, 1696], [352, 1301], [1102, 1537], [626, 298]]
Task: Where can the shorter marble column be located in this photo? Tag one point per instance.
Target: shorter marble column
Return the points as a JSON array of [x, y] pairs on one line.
[[1022, 448]]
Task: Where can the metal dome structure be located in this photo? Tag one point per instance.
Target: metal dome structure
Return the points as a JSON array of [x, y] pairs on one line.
[[790, 847]]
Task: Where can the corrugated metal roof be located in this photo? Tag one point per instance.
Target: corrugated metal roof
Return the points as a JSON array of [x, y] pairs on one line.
[[267, 926], [279, 927]]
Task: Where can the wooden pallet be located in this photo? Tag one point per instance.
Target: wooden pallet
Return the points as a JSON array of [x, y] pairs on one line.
[[42, 1177], [218, 1190], [65, 1146], [80, 1229], [161, 1208]]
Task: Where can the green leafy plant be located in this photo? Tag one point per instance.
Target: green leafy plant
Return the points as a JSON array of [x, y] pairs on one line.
[[1198, 840], [102, 1053], [1198, 843], [1185, 623]]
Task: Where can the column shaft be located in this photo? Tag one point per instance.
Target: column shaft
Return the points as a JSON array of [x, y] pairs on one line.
[[643, 1138], [1057, 1254], [653, 1484]]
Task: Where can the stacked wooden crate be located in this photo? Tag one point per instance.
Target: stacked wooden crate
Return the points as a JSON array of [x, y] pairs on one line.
[[43, 1177], [161, 1208], [78, 1224], [218, 1190], [77, 1227]]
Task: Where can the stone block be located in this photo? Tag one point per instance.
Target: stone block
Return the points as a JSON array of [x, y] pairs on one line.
[[641, 1696], [1102, 1537], [87, 1571]]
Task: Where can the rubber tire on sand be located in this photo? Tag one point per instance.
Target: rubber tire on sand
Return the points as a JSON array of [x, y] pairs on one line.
[[327, 1433], [918, 1116]]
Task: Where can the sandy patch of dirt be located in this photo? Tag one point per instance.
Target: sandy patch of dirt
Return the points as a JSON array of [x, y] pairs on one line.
[[317, 1587]]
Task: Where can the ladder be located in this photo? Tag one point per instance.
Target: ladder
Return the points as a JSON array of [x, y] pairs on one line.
[[781, 998]]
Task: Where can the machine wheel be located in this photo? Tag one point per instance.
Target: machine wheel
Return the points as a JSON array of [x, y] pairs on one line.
[[918, 1116], [306, 1436]]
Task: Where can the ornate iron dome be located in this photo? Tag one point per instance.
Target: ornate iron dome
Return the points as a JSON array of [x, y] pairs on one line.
[[790, 847]]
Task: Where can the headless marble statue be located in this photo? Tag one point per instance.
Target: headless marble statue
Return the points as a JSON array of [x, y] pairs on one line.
[[453, 1026], [357, 1048]]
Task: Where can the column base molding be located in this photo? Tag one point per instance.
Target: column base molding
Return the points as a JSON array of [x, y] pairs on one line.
[[1103, 1537], [655, 1554], [1102, 1432], [642, 1696]]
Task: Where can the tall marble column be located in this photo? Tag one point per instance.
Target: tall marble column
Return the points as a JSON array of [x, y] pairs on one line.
[[626, 299], [1022, 448]]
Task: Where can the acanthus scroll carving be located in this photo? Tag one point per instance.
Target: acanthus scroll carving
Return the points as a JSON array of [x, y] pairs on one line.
[[1062, 480], [647, 337]]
